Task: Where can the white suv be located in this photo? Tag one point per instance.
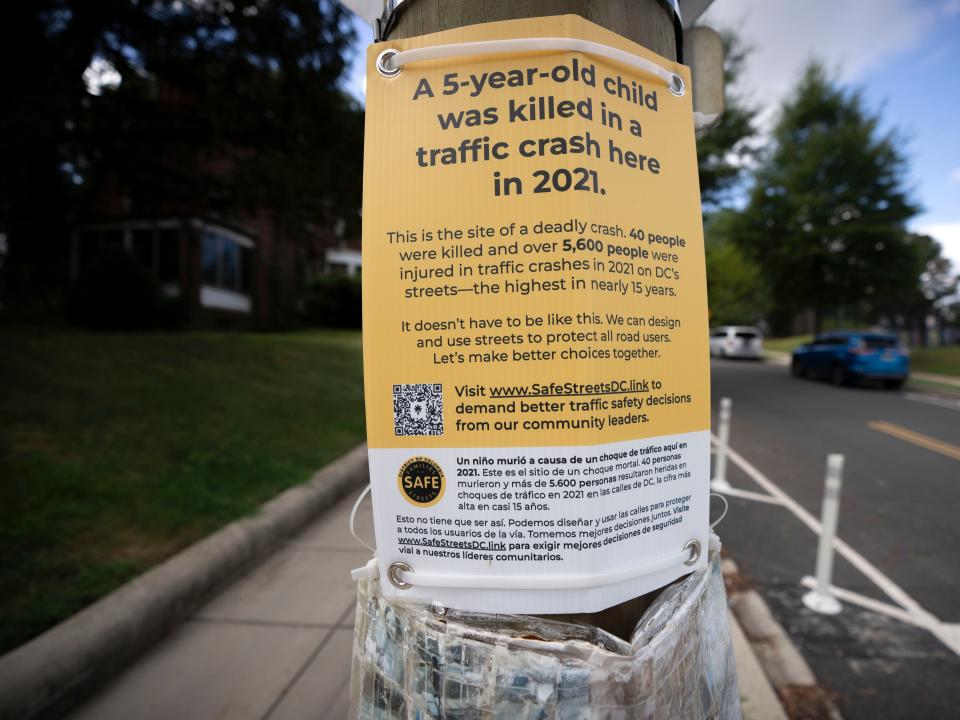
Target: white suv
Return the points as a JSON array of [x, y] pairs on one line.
[[736, 341]]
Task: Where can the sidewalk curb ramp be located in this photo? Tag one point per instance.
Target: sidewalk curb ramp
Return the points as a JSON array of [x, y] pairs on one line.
[[54, 671]]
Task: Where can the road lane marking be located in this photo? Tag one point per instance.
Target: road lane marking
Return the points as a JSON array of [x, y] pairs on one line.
[[934, 400], [854, 598], [924, 441], [944, 632], [745, 494]]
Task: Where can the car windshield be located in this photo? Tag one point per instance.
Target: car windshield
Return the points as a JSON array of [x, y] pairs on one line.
[[746, 335], [879, 342]]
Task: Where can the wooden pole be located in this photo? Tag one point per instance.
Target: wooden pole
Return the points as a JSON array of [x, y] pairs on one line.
[[645, 22]]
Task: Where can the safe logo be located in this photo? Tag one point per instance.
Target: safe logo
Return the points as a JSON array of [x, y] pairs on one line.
[[421, 481]]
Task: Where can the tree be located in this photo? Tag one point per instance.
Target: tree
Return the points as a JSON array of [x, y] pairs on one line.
[[935, 282], [826, 213], [724, 150], [217, 105], [736, 291]]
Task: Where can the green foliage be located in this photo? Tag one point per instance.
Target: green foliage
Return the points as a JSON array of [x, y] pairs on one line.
[[736, 290], [826, 214], [786, 344], [121, 449], [938, 278], [940, 360], [333, 301]]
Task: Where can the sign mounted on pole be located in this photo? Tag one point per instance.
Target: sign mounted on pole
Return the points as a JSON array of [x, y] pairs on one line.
[[534, 318]]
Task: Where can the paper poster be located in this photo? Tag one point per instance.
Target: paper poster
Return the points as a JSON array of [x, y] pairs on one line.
[[534, 325]]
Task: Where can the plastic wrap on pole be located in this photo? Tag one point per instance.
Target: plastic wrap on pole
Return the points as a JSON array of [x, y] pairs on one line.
[[412, 661]]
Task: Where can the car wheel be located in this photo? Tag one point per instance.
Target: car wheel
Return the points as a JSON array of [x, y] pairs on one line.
[[838, 375], [893, 384], [797, 370]]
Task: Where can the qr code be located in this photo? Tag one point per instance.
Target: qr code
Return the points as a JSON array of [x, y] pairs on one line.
[[418, 409]]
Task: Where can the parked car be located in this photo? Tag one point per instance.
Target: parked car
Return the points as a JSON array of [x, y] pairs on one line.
[[846, 356], [736, 341]]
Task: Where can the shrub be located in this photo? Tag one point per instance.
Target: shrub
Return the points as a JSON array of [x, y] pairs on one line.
[[117, 293], [333, 301]]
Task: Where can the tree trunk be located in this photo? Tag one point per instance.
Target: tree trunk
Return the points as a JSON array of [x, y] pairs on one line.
[[646, 22]]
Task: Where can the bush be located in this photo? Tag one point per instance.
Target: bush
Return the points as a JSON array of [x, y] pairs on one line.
[[333, 301], [117, 293]]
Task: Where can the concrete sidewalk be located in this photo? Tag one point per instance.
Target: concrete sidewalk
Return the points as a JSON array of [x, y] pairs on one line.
[[277, 644]]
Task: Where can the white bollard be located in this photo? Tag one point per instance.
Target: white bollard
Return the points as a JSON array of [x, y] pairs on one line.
[[719, 481], [821, 599]]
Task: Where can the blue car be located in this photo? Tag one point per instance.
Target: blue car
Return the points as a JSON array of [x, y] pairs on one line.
[[844, 356]]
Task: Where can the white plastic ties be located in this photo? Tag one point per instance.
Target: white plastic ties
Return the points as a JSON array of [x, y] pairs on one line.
[[406, 578], [353, 515], [713, 542], [369, 571], [726, 507], [391, 62], [372, 569], [705, 120]]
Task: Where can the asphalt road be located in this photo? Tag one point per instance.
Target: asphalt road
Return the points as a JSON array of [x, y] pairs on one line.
[[899, 509]]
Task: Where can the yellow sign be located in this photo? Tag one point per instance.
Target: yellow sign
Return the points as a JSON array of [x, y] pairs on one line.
[[535, 319]]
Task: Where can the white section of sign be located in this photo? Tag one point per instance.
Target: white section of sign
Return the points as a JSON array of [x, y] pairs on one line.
[[554, 514]]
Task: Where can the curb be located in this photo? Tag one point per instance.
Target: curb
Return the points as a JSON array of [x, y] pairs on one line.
[[758, 701], [949, 380], [785, 668], [52, 672]]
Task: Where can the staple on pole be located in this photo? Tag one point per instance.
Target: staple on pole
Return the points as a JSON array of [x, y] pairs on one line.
[[821, 599], [719, 482]]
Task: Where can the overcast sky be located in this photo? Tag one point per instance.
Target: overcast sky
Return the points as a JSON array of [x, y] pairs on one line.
[[905, 54]]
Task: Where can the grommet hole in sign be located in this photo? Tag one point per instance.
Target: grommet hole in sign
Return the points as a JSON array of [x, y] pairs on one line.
[[385, 64]]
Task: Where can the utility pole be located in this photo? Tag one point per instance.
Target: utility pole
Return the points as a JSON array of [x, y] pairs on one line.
[[651, 23], [654, 24], [647, 22]]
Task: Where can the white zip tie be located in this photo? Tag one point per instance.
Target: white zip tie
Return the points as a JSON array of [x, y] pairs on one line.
[[353, 515], [403, 577], [391, 62], [370, 571], [713, 543], [702, 121], [726, 507]]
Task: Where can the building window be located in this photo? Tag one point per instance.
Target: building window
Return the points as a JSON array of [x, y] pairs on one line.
[[226, 262]]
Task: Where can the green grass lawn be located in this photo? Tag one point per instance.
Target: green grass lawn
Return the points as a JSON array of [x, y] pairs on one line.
[[786, 344], [116, 451], [940, 360]]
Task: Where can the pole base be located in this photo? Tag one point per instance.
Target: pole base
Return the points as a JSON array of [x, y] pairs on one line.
[[822, 602], [720, 485]]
